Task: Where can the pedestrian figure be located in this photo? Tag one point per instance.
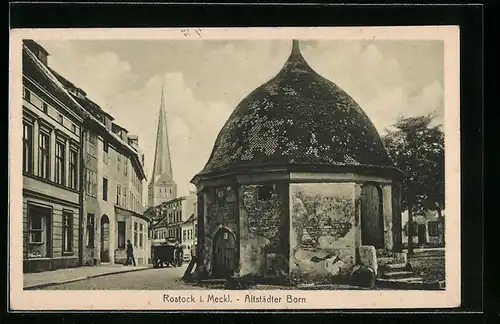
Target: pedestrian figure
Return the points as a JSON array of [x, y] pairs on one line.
[[180, 255], [130, 253], [174, 256]]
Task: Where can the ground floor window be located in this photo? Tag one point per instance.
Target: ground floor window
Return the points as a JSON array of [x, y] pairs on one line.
[[135, 234], [40, 236], [67, 231], [141, 235], [121, 235]]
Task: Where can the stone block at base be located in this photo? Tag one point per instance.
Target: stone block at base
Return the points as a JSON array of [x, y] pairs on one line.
[[368, 257]]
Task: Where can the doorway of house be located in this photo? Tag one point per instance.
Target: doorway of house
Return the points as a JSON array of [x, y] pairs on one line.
[[422, 237], [224, 253], [104, 239], [372, 221]]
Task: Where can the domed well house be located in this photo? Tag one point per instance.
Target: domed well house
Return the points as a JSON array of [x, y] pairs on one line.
[[298, 186]]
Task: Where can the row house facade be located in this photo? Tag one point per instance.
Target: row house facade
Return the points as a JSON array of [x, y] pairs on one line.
[[83, 176], [113, 178], [175, 222], [52, 128]]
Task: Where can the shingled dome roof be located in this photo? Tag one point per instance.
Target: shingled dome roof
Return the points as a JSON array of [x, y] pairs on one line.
[[297, 118]]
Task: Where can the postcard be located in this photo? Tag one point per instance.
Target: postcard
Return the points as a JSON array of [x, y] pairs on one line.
[[234, 168]]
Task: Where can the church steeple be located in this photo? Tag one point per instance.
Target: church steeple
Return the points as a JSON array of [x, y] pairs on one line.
[[162, 187]]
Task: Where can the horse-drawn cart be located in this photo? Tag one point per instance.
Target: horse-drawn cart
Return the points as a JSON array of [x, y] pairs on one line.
[[163, 254]]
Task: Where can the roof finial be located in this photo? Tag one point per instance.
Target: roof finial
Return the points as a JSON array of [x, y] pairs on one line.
[[295, 46]]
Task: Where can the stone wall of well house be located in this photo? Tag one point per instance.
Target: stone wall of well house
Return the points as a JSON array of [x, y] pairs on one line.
[[264, 225], [221, 210], [322, 235]]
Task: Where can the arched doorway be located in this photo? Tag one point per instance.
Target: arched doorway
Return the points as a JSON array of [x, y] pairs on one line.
[[372, 221], [224, 254], [105, 239]]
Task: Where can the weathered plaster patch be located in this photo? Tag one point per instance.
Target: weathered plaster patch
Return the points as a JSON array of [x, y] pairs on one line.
[[323, 233], [264, 231]]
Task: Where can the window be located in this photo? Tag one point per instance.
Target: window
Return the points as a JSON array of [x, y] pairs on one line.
[[60, 119], [118, 194], [44, 156], [105, 149], [60, 163], [141, 237], [91, 183], [184, 237], [135, 234], [39, 231], [45, 108], [90, 230], [37, 102], [73, 169], [119, 161], [121, 235], [126, 166], [124, 203], [92, 142], [27, 94], [67, 231], [433, 228], [104, 189], [27, 148], [265, 192], [74, 129]]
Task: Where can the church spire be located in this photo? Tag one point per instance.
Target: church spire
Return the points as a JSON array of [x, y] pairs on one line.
[[162, 166], [162, 187]]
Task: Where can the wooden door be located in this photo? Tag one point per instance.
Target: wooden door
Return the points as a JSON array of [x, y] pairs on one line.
[[372, 222], [224, 254]]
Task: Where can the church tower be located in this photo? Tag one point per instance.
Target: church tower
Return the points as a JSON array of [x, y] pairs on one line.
[[162, 187]]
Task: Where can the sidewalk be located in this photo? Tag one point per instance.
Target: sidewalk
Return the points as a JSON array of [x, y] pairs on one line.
[[60, 276]]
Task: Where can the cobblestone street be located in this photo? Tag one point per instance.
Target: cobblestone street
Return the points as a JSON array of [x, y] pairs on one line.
[[151, 279]]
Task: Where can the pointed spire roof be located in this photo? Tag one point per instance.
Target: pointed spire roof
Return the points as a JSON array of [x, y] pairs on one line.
[[297, 119], [162, 167]]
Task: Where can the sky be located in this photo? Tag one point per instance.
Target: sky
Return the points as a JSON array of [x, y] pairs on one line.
[[204, 80]]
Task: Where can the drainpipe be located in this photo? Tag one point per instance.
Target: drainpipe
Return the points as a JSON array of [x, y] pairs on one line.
[[81, 198]]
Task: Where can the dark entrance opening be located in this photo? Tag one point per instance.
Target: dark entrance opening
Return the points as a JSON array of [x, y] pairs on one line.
[[422, 237], [372, 221], [224, 254], [105, 239]]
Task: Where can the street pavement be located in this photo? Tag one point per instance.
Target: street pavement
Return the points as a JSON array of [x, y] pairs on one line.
[[150, 279]]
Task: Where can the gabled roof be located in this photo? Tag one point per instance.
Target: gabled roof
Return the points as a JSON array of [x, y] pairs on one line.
[[37, 71]]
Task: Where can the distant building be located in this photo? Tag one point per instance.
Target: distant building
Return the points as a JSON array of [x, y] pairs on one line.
[[162, 187], [52, 150], [428, 229], [188, 237], [173, 219]]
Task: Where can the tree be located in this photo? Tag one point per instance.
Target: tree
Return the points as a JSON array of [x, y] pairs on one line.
[[417, 148]]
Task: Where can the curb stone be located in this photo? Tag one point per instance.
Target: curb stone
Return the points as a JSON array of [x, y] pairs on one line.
[[55, 283]]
